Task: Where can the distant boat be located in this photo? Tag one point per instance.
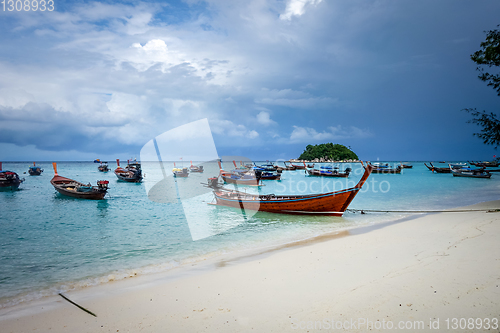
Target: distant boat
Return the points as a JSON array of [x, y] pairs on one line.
[[241, 177], [249, 178], [406, 166], [485, 164], [9, 180], [35, 170], [178, 172], [326, 171], [457, 165], [268, 175], [469, 172], [103, 167], [298, 166], [266, 167], [289, 167], [385, 168], [194, 168], [97, 161], [332, 203], [132, 173], [75, 189], [437, 169]]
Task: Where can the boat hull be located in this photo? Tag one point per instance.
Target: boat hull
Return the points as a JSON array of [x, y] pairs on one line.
[[240, 181], [10, 185], [315, 172], [80, 195], [128, 176]]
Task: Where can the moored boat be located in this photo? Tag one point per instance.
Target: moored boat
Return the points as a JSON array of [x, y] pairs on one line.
[[132, 173], [329, 172], [406, 165], [194, 168], [75, 189], [103, 167], [385, 168], [35, 170], [469, 172], [247, 178], [298, 166], [485, 164], [331, 203], [178, 172], [9, 180], [437, 169]]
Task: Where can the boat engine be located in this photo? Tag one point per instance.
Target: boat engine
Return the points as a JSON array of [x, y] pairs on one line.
[[102, 184], [213, 182]]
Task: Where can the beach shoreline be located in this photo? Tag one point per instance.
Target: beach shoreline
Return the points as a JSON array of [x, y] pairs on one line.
[[292, 286]]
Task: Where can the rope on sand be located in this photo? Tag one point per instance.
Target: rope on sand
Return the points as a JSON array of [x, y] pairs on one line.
[[364, 211]]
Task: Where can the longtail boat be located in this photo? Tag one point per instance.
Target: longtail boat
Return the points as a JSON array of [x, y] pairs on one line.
[[469, 172], [299, 167], [194, 168], [437, 169], [132, 173], [486, 164], [35, 170], [384, 168], [75, 189], [9, 180], [331, 203], [248, 178], [240, 176], [103, 167], [268, 175], [329, 172], [289, 167]]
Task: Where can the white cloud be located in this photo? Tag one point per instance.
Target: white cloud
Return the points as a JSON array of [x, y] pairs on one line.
[[264, 118], [297, 8], [228, 128], [305, 134]]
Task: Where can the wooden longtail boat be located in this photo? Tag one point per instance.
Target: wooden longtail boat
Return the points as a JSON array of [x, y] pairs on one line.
[[289, 167], [332, 203], [406, 166], [75, 189], [468, 172], [485, 164], [268, 175], [132, 172], [377, 168], [437, 169], [239, 176], [328, 172], [248, 179], [9, 180], [194, 168], [299, 167], [103, 167], [178, 172], [35, 170]]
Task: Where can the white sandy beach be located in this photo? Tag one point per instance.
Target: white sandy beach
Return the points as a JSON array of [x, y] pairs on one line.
[[421, 274]]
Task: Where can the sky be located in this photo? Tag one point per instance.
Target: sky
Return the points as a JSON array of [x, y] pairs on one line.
[[387, 78]]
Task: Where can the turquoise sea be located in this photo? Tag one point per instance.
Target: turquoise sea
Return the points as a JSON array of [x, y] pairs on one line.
[[50, 243]]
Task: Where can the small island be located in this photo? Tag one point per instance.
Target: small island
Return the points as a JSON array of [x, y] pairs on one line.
[[327, 152]]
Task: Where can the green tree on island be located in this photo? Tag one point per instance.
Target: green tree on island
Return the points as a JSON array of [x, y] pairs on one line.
[[329, 151], [488, 56]]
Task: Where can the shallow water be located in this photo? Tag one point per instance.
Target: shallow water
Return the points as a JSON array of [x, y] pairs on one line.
[[51, 243]]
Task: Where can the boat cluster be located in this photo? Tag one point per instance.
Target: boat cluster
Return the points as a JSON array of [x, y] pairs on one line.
[[471, 169]]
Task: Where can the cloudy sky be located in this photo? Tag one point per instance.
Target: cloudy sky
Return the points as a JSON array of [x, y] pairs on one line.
[[386, 77]]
